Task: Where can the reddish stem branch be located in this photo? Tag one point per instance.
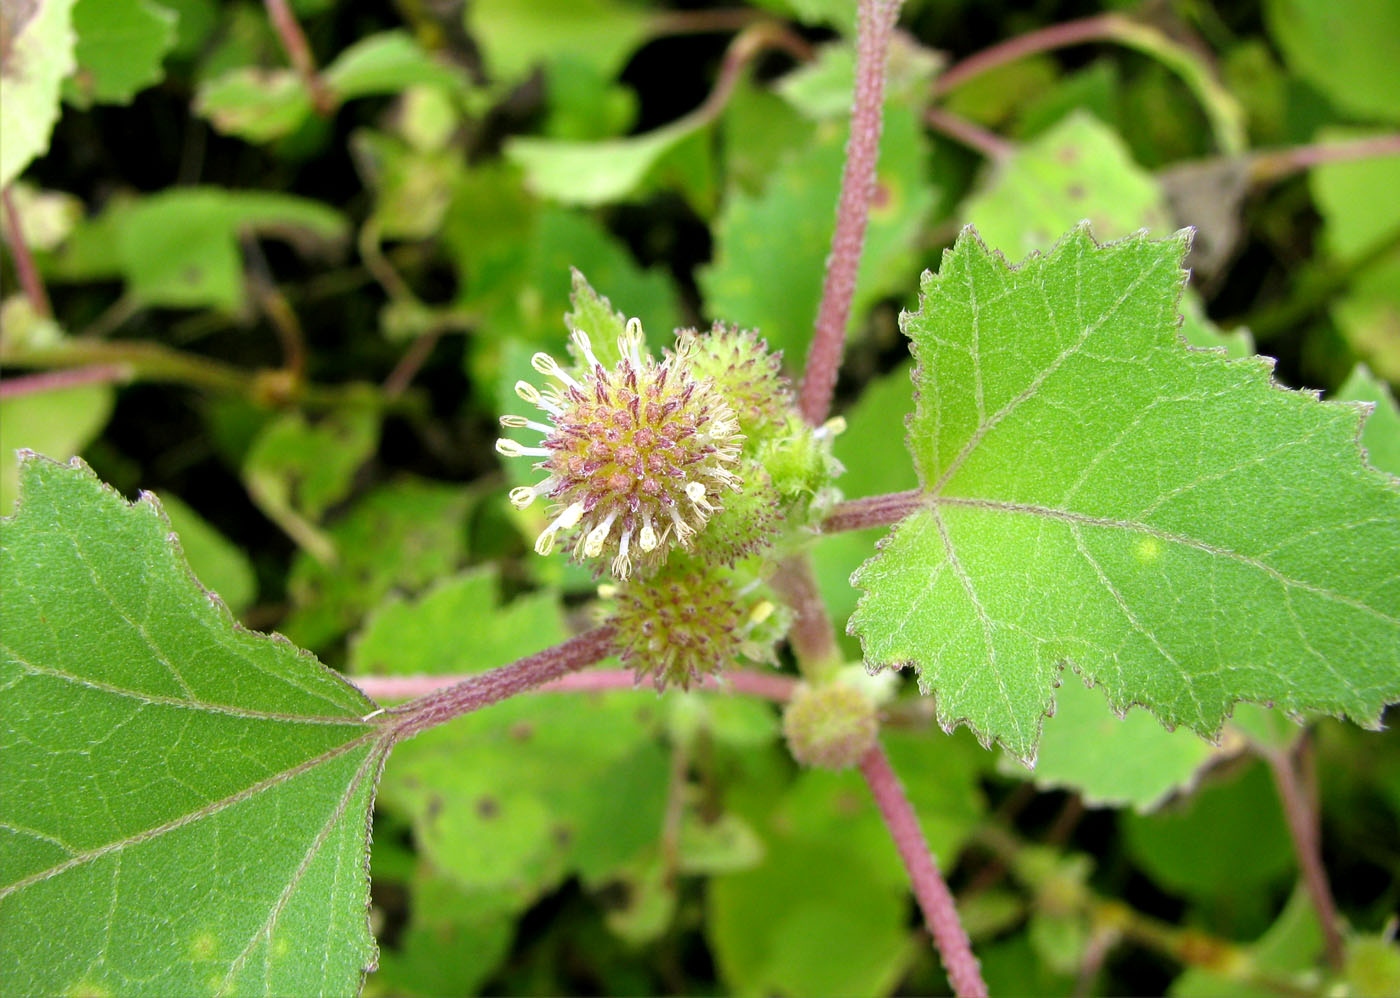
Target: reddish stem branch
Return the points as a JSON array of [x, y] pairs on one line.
[[1307, 846], [25, 270], [812, 637], [974, 136], [485, 688], [1273, 164], [876, 26], [770, 686], [299, 52], [1056, 36], [932, 893], [873, 511], [52, 381]]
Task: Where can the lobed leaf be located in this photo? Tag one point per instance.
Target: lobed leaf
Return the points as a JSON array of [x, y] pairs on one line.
[[186, 804], [1083, 507]]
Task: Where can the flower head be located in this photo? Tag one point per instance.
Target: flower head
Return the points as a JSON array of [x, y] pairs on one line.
[[635, 458]]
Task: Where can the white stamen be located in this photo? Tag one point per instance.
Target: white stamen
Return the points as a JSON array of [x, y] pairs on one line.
[[549, 367], [622, 565], [522, 497], [521, 423], [646, 540], [629, 341], [598, 536], [834, 426], [511, 448], [531, 394], [761, 612], [545, 542], [585, 347], [695, 492], [683, 529]]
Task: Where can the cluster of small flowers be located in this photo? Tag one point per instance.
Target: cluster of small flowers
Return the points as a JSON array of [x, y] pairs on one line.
[[635, 457]]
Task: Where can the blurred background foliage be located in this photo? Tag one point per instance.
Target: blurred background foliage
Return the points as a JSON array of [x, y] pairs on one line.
[[289, 296]]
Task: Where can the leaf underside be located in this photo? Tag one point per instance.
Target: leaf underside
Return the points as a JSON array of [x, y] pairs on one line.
[[185, 804], [1174, 526]]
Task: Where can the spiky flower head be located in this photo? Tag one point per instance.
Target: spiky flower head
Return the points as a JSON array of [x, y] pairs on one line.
[[750, 377], [635, 457], [831, 725], [692, 620]]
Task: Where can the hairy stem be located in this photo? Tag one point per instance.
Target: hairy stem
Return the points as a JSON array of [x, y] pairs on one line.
[[812, 637], [25, 270], [299, 52], [929, 889], [876, 25], [872, 511], [1268, 165], [768, 685], [1224, 112], [485, 688], [1303, 829]]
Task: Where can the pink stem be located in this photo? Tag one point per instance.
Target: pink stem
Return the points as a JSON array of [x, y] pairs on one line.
[[929, 889], [485, 688], [974, 136], [25, 270], [1273, 164], [872, 511], [52, 381], [299, 52], [1057, 36], [770, 686], [1303, 828], [876, 25], [812, 637]]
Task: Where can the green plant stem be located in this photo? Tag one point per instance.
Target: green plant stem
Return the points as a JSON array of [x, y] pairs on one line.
[[25, 270], [875, 28], [1222, 110], [1189, 947], [1303, 831], [936, 902]]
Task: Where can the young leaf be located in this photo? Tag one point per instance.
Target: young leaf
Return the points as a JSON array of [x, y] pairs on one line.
[[186, 804], [1381, 433], [121, 45], [1172, 525], [38, 53]]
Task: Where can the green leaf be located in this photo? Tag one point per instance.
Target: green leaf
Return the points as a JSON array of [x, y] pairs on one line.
[[37, 41], [457, 626], [179, 248], [1380, 434], [121, 45], [517, 797], [594, 173], [1288, 950], [1360, 216], [389, 63], [186, 803], [253, 103], [592, 314], [218, 564], [822, 88], [57, 423], [515, 37], [297, 469], [770, 250], [403, 535], [1113, 761], [1340, 46], [1227, 839], [1075, 171], [1082, 508]]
